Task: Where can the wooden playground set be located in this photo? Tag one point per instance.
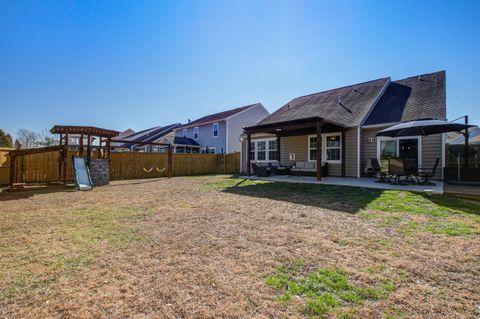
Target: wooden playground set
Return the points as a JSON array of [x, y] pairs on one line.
[[91, 162]]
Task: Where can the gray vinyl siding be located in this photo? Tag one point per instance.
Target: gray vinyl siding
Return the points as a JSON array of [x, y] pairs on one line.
[[431, 149], [206, 138], [351, 151], [369, 148], [237, 122]]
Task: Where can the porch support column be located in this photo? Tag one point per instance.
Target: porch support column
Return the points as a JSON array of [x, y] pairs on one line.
[[319, 151], [278, 148], [343, 153], [249, 139]]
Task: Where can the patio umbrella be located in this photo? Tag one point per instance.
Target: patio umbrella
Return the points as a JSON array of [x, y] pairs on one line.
[[423, 127]]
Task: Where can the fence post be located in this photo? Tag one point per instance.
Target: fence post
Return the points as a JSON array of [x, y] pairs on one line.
[[170, 161], [13, 169]]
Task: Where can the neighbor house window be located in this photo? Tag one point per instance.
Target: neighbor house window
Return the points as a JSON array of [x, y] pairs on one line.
[[333, 148], [212, 150], [215, 129], [184, 132], [263, 150], [195, 133]]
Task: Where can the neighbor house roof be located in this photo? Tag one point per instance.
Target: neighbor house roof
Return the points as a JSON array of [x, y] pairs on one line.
[[148, 135], [185, 141], [345, 106], [218, 116], [421, 96]]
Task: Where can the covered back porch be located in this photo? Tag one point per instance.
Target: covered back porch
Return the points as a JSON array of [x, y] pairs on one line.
[[314, 142]]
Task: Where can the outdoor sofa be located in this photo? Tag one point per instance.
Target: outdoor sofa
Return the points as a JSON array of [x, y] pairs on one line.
[[304, 168]]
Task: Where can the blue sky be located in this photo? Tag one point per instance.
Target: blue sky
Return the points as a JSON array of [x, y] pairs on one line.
[[137, 64]]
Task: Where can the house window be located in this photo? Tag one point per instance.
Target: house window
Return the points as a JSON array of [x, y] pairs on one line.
[[195, 133], [184, 132], [203, 150], [312, 148], [272, 150], [215, 129], [263, 150], [388, 148], [333, 148], [212, 150]]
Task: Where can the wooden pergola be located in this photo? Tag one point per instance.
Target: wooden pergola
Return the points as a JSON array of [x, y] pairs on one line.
[[307, 126]]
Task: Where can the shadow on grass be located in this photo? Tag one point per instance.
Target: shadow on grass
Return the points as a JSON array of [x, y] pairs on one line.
[[351, 199], [6, 195]]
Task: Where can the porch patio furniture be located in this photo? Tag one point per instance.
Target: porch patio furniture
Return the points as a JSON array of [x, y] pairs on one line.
[[304, 168], [428, 174], [261, 170], [411, 169], [396, 167], [383, 176]]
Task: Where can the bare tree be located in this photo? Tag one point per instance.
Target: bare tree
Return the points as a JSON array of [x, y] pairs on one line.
[[27, 138], [46, 138]]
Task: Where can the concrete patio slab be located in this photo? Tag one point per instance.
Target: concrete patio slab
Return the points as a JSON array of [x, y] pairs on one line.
[[354, 182]]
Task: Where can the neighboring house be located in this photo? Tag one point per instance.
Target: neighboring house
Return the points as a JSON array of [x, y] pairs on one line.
[[347, 120], [158, 134], [219, 132]]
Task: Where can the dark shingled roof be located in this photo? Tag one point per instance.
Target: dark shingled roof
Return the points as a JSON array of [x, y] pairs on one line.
[[218, 116], [185, 141], [346, 106], [421, 96], [148, 135]]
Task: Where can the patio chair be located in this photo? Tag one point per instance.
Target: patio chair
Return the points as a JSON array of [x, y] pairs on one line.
[[396, 168], [261, 170], [411, 169], [426, 175], [383, 177]]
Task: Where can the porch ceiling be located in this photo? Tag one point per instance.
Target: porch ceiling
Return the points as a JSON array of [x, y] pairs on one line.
[[297, 127]]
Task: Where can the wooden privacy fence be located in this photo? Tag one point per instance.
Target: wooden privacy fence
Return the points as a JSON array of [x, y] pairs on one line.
[[44, 167]]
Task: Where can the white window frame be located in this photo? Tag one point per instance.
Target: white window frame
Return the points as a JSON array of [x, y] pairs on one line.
[[184, 132], [196, 133], [324, 148], [267, 149], [203, 150], [210, 150], [218, 129], [386, 138]]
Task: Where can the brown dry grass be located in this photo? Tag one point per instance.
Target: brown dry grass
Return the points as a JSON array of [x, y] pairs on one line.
[[196, 248]]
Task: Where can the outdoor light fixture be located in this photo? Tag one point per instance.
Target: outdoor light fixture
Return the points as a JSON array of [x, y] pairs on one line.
[[278, 129], [370, 139]]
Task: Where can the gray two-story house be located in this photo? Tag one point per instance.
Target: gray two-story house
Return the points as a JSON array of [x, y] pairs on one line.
[[218, 133]]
